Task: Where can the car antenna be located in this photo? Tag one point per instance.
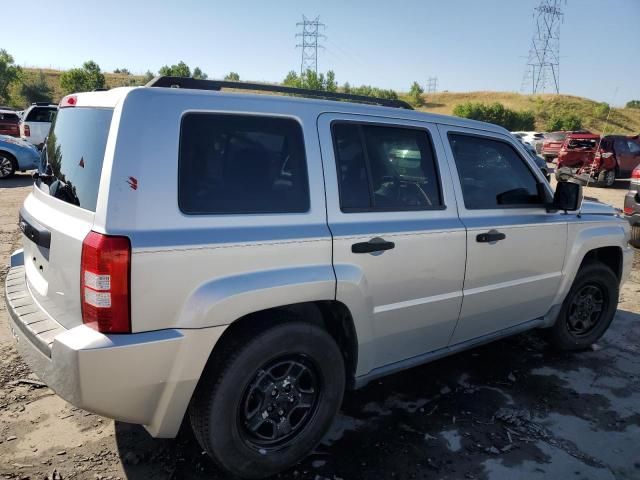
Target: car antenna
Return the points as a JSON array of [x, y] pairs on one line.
[[604, 131]]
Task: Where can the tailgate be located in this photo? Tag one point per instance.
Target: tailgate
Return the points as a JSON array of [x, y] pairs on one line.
[[52, 241], [59, 213]]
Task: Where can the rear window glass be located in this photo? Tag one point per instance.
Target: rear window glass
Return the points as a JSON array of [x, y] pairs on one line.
[[556, 136], [74, 153], [10, 117], [581, 144], [233, 164], [41, 114]]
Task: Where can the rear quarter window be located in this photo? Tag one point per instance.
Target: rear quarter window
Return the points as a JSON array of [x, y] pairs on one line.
[[241, 164], [41, 114]]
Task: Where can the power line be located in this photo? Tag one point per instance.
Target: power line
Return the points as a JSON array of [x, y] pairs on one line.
[[542, 72], [310, 35]]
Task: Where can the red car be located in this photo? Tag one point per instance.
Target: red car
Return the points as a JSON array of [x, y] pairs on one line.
[[9, 123], [552, 143], [603, 160]]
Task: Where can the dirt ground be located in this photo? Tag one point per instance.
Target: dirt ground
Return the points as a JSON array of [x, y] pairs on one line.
[[512, 409]]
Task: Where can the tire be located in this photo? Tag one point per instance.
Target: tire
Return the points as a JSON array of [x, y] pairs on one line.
[[607, 179], [7, 165], [578, 325], [635, 236], [234, 411]]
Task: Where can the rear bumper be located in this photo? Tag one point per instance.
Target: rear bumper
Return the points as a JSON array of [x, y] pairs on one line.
[[144, 378]]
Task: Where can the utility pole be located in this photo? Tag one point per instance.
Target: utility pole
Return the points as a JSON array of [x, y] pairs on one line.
[[543, 64], [432, 84], [310, 34]]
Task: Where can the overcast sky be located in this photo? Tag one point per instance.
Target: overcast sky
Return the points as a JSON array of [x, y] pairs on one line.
[[468, 44]]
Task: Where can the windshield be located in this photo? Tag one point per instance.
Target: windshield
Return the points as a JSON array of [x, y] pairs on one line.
[[72, 162]]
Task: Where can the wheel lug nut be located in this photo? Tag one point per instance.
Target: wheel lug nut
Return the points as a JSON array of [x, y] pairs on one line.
[[281, 412], [274, 392], [270, 408]]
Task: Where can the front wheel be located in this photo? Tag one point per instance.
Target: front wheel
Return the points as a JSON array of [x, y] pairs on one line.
[[7, 165], [267, 399], [588, 309]]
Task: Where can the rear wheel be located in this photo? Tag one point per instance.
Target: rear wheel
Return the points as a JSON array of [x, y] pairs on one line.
[[7, 165], [607, 178], [587, 310], [267, 399], [635, 236]]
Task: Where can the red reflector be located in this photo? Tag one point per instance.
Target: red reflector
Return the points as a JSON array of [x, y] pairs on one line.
[[628, 210], [104, 283], [68, 101], [635, 173]]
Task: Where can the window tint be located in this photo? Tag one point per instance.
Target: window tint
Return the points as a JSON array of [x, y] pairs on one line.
[[492, 174], [241, 164], [9, 117], [633, 146], [41, 114], [622, 147], [385, 168]]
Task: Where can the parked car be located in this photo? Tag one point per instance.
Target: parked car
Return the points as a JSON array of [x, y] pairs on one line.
[[16, 154], [552, 144], [601, 161], [241, 259], [632, 206], [36, 122], [9, 123], [535, 139], [619, 154]]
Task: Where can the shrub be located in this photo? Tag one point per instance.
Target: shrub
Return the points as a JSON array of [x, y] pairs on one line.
[[563, 122], [415, 94], [633, 104], [496, 113]]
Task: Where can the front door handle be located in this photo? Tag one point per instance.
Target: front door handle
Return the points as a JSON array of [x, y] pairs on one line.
[[376, 244], [490, 237]]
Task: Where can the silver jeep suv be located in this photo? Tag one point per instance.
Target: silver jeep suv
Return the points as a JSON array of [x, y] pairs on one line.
[[242, 258]]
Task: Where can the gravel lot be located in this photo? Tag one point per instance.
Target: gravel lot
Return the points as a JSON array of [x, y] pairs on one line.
[[512, 409]]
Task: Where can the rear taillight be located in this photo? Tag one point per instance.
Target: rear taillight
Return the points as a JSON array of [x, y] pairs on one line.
[[27, 130], [636, 173], [104, 283]]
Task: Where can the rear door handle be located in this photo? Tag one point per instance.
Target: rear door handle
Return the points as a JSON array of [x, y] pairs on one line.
[[376, 244], [490, 237]]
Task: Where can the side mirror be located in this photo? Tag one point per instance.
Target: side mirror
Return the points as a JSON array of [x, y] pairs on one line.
[[568, 196]]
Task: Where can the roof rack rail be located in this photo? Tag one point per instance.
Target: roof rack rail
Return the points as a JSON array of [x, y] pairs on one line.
[[217, 85]]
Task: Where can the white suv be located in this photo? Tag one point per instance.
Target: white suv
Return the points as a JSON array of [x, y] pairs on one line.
[[36, 122], [242, 258]]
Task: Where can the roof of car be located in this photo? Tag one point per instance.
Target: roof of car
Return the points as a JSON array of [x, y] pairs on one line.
[[110, 98]]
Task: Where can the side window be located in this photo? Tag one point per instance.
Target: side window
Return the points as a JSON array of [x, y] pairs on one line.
[[233, 164], [385, 168], [622, 148], [634, 147], [492, 174]]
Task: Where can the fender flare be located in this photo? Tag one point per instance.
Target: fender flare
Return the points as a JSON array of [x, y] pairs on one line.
[[224, 300]]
